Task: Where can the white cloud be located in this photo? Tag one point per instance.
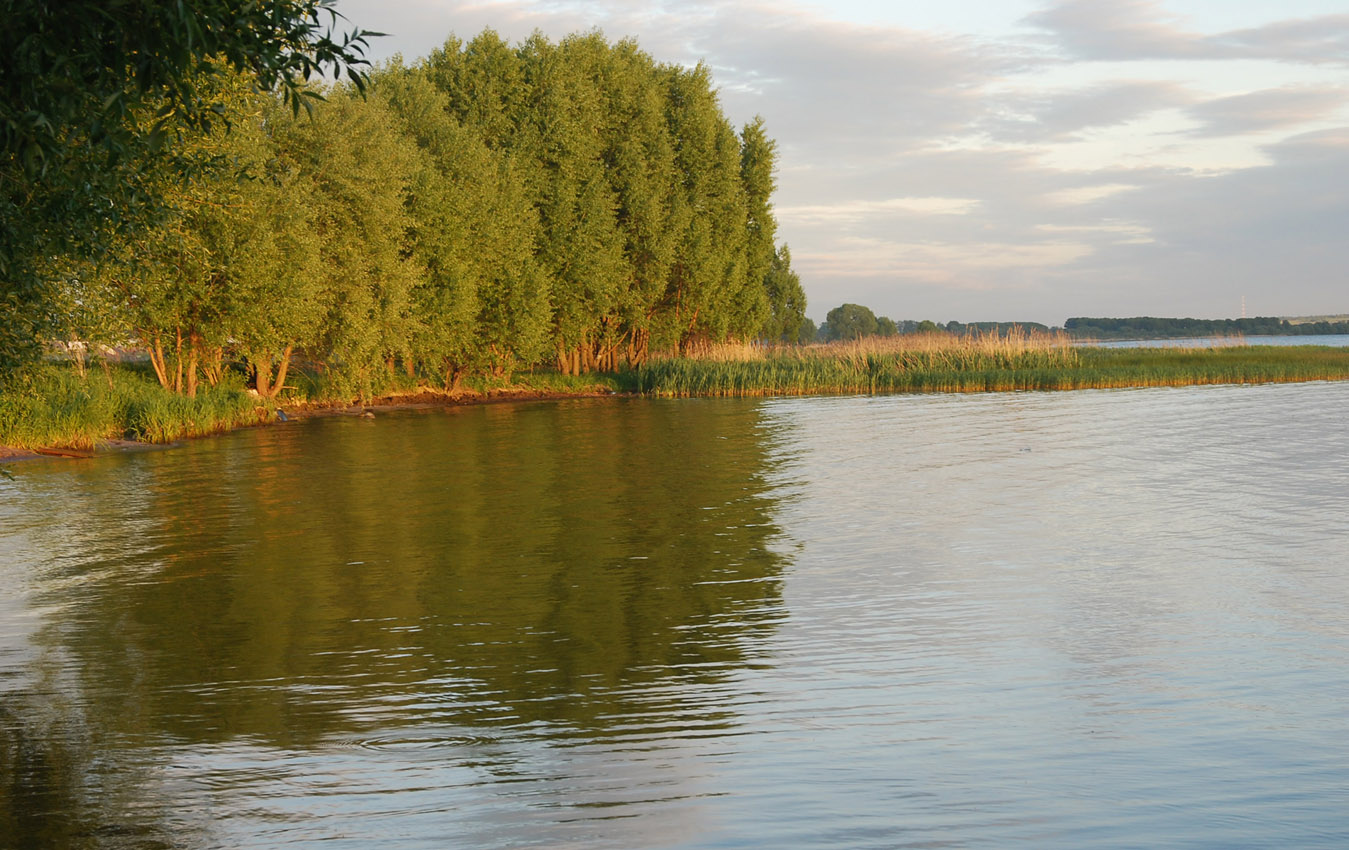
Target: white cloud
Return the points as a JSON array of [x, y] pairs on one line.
[[1063, 115], [1270, 109], [1146, 30], [1121, 234], [1086, 194], [854, 211], [943, 262]]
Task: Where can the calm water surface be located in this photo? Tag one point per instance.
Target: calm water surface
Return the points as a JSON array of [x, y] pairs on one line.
[[1333, 340], [1089, 619]]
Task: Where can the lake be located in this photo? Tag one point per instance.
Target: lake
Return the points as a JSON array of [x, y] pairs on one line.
[[1101, 619]]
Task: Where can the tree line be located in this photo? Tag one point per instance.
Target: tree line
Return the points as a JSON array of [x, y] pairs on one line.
[[489, 208], [854, 321], [1149, 327]]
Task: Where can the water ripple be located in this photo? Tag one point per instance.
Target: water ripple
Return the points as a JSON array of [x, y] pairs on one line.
[[1065, 620]]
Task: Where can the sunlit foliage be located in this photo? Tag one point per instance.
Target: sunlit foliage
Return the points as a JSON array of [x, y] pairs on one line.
[[490, 209]]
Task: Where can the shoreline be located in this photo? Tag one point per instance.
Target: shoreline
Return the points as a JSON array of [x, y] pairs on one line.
[[422, 399], [867, 368], [431, 399]]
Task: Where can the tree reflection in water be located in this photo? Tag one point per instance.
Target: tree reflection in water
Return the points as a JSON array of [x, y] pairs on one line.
[[512, 575]]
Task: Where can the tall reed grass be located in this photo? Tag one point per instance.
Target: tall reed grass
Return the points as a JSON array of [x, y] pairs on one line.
[[945, 363]]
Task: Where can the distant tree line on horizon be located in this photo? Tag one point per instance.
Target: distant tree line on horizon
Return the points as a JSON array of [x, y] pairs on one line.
[[855, 321], [487, 209], [1148, 327]]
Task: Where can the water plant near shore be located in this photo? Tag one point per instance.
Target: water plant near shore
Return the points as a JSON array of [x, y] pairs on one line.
[[944, 363]]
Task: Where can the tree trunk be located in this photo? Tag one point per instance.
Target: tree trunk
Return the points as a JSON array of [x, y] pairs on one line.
[[191, 383], [453, 377], [262, 375], [157, 360], [212, 365], [281, 369], [178, 361]]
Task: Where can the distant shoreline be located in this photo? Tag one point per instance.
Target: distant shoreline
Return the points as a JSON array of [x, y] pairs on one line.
[[1159, 328]]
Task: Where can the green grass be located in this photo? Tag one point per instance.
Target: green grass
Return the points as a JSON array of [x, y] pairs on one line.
[[831, 370], [57, 407]]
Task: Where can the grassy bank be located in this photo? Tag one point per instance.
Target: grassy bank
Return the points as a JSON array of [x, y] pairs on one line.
[[941, 363], [58, 407]]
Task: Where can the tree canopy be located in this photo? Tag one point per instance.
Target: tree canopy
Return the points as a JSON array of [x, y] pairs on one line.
[[94, 92], [850, 321], [490, 208]]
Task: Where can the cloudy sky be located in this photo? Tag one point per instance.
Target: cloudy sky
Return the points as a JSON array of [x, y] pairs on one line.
[[1013, 159]]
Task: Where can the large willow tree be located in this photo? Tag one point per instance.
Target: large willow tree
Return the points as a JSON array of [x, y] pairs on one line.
[[655, 217]]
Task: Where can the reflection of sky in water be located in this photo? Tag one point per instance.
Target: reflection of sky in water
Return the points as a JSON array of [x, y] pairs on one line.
[[1059, 603], [1100, 618]]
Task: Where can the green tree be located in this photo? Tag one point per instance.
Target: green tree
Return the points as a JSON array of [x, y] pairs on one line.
[[276, 277], [640, 162], [807, 332], [581, 245], [176, 280], [787, 302], [454, 181], [759, 304], [360, 169], [73, 146], [709, 268], [485, 82], [851, 321]]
